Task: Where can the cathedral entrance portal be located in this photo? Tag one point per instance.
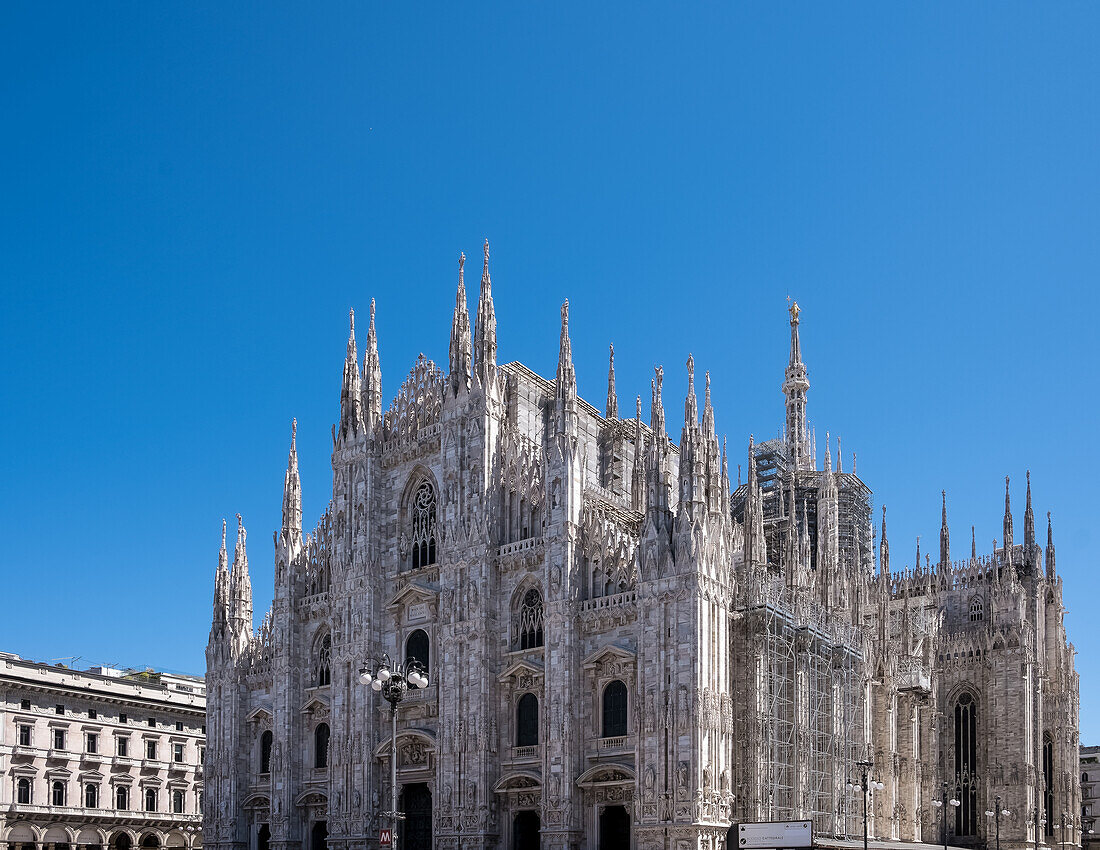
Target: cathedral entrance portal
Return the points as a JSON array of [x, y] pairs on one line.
[[614, 828], [319, 836], [415, 832], [525, 831], [263, 838]]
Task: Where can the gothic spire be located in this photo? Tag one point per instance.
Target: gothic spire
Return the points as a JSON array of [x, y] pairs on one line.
[[973, 545], [708, 408], [725, 481], [945, 537], [221, 586], [1050, 548], [240, 585], [1029, 522], [637, 481], [566, 376], [657, 408], [839, 461], [351, 399], [916, 563], [691, 406], [485, 327], [795, 385], [612, 409], [372, 377], [1007, 526], [828, 455], [884, 548], [461, 347], [292, 492]]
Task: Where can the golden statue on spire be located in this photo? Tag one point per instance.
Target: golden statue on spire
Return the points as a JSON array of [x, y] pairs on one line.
[[794, 310]]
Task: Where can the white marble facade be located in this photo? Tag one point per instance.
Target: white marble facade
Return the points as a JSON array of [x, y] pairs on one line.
[[624, 650]]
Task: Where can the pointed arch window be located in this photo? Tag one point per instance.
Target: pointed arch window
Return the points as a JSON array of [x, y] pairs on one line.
[[418, 648], [1048, 781], [422, 519], [966, 764], [527, 721], [528, 628], [614, 709], [324, 661], [320, 745], [977, 610], [265, 751]]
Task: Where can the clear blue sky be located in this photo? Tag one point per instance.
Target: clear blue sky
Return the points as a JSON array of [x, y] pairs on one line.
[[195, 194]]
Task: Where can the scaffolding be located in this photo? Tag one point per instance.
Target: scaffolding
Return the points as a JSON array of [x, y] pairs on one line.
[[802, 727]]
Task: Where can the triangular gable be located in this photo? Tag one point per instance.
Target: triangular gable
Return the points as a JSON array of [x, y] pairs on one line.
[[611, 652], [259, 715], [520, 666], [412, 593], [313, 704]]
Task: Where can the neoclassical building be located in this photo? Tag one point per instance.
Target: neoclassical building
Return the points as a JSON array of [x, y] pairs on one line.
[[624, 648], [99, 758]]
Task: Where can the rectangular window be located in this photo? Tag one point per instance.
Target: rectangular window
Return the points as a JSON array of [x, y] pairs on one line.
[[179, 725], [202, 755], [152, 723], [122, 746], [150, 749], [25, 705], [59, 739], [92, 714], [177, 753], [24, 736], [93, 742], [59, 709], [204, 728], [121, 718]]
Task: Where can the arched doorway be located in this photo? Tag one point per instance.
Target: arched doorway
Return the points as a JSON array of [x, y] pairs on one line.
[[150, 840], [122, 841], [263, 837], [319, 836], [416, 803], [525, 831], [614, 828]]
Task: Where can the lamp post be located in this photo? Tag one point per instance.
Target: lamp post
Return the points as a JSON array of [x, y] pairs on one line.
[[393, 681], [866, 785], [996, 815], [940, 804]]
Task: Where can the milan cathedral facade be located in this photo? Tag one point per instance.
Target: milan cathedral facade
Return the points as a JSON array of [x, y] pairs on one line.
[[623, 649]]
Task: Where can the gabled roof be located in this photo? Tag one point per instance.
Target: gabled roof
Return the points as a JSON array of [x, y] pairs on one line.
[[518, 666], [610, 651], [414, 590]]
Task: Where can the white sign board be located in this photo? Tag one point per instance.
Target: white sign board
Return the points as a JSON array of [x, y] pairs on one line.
[[793, 833]]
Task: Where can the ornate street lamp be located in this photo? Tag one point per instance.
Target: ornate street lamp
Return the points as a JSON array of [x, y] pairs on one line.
[[996, 815], [939, 804], [866, 785], [394, 681]]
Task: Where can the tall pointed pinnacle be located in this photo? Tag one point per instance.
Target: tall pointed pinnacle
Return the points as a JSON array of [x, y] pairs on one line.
[[973, 545], [351, 398], [1029, 522], [828, 457], [884, 548], [708, 408], [725, 502], [637, 479], [945, 536], [916, 563], [372, 378], [1050, 548], [566, 376], [240, 586], [795, 385], [292, 494], [1007, 526], [612, 409], [839, 457], [691, 406], [461, 353], [221, 596], [657, 407], [485, 328]]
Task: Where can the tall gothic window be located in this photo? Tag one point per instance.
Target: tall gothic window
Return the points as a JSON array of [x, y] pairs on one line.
[[529, 622], [1048, 781], [614, 709], [324, 661], [966, 764], [527, 721], [265, 752], [320, 745], [977, 612], [417, 648], [422, 515]]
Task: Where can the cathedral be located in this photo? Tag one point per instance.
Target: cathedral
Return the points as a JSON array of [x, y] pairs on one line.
[[623, 649]]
